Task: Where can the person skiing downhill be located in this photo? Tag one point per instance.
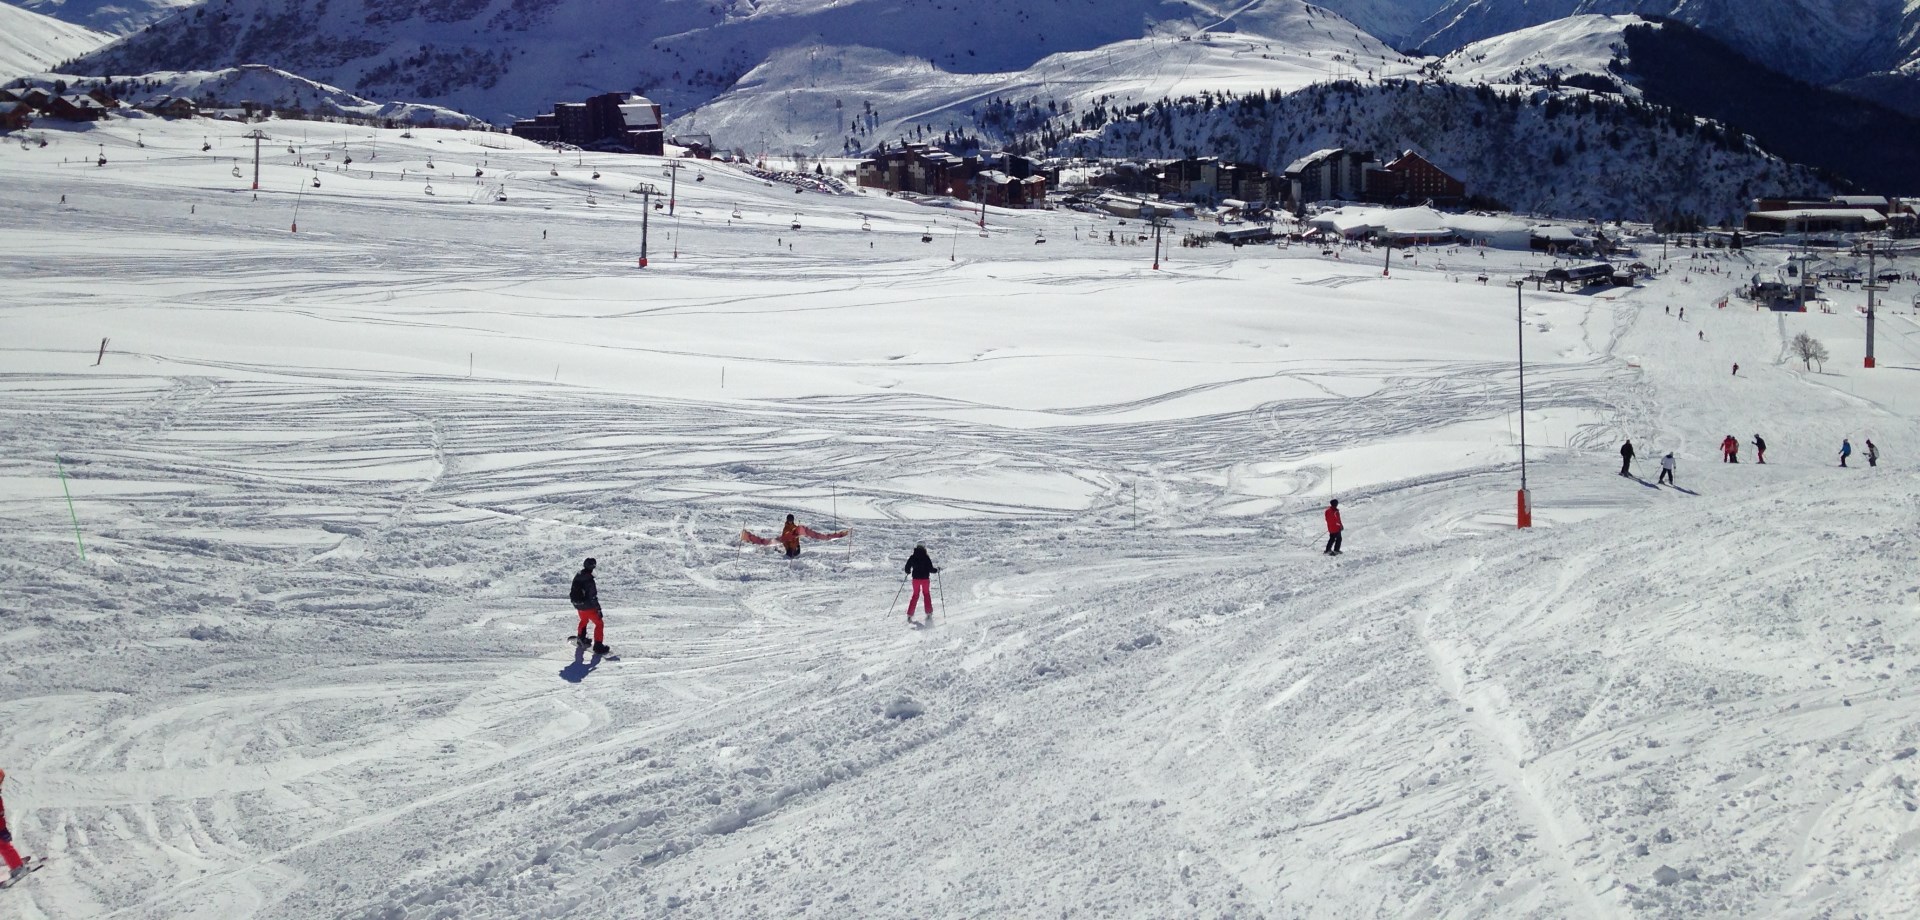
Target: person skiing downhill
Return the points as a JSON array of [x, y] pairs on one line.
[[586, 599], [1729, 450], [1666, 469], [1759, 449], [1846, 450], [16, 866], [1873, 454], [1626, 458], [1334, 527], [920, 568]]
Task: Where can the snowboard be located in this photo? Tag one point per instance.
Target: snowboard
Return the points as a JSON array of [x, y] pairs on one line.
[[575, 642], [32, 865]]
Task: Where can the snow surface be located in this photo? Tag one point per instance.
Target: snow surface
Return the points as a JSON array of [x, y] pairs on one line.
[[1563, 47], [113, 17], [30, 42], [312, 665]]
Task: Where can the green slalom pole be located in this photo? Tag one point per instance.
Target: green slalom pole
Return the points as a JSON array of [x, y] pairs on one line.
[[70, 512]]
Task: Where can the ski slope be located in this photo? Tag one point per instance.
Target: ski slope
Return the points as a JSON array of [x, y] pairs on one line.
[[332, 484]]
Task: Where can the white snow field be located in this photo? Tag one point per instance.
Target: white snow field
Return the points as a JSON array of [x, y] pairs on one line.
[[314, 663]]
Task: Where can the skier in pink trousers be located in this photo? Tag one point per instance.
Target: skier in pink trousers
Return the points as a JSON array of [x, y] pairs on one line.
[[16, 866]]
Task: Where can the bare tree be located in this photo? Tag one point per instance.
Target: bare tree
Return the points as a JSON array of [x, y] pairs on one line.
[[1808, 349]]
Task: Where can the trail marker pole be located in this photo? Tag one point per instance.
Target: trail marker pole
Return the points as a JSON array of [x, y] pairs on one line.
[[103, 353], [70, 512], [1523, 501]]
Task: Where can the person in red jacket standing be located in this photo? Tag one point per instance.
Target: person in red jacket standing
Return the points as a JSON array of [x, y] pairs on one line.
[[1334, 527], [16, 866]]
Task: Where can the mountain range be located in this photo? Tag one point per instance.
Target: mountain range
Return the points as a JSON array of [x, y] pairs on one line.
[[840, 76]]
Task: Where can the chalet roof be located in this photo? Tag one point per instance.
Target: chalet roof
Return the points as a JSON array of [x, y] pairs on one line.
[[1861, 214], [1872, 201], [8, 108], [1302, 164], [82, 101]]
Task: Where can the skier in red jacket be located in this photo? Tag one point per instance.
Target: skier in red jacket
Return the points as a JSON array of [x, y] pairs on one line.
[[1334, 527], [16, 866]]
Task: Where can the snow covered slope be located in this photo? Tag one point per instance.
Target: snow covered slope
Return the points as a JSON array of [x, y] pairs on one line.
[[332, 485], [1819, 41], [1566, 47], [113, 17], [498, 60], [30, 42]]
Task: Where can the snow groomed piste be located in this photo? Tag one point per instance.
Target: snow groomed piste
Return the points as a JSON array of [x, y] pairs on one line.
[[332, 485]]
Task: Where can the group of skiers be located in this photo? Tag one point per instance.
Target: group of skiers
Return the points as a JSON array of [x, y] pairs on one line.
[[1730, 453]]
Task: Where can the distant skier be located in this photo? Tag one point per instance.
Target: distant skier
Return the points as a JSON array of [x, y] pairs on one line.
[[1736, 368], [586, 600], [16, 866], [1334, 527], [921, 568], [1626, 458], [1759, 449], [790, 535], [1873, 454], [1666, 469], [1729, 450], [1846, 450]]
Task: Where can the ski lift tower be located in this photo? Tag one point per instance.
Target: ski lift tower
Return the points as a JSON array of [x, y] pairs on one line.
[[1873, 285], [257, 136], [646, 191]]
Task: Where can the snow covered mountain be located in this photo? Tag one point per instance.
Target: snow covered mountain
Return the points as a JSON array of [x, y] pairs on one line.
[[1535, 151], [114, 17], [1684, 68], [1820, 41], [263, 87], [1589, 45], [501, 59], [30, 42]]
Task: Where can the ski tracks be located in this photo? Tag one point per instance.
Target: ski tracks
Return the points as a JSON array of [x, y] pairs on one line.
[[1483, 707]]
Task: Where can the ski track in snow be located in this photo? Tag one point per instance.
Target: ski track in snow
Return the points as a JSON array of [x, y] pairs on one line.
[[315, 663]]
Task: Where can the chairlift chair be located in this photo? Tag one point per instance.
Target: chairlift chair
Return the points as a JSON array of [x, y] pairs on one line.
[[429, 188], [736, 213], [796, 221], [596, 174]]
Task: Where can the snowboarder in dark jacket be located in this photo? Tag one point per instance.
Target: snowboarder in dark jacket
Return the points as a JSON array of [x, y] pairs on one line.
[[1759, 449], [586, 600], [16, 866], [1873, 454], [1626, 458], [920, 568]]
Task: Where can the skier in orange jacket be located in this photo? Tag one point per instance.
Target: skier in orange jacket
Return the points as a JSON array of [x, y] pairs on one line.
[[1334, 527]]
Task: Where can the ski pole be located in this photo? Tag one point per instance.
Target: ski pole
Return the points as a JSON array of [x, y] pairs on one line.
[[942, 583], [896, 595]]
